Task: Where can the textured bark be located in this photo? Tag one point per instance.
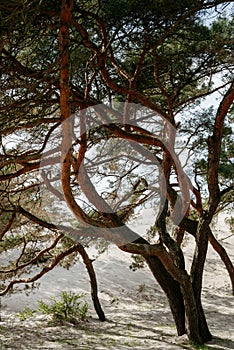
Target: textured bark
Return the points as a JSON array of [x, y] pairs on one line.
[[191, 313], [8, 226], [175, 281], [197, 270], [66, 156], [191, 227], [199, 256]]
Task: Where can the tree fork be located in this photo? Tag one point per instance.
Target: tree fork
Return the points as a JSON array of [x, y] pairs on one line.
[[190, 226], [168, 284], [188, 311]]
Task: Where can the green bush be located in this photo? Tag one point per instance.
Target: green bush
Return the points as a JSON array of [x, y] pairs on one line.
[[70, 308], [27, 313]]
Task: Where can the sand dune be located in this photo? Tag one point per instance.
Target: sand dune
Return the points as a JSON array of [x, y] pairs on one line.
[[137, 312]]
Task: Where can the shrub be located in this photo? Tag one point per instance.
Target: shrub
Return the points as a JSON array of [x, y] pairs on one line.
[[27, 313], [70, 308]]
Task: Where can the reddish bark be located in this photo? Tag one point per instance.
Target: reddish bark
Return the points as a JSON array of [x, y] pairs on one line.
[[214, 149]]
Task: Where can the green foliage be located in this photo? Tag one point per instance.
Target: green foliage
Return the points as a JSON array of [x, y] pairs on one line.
[[197, 128], [193, 215], [137, 263], [25, 314], [69, 308]]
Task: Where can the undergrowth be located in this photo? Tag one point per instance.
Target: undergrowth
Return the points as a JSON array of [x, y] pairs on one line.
[[70, 307]]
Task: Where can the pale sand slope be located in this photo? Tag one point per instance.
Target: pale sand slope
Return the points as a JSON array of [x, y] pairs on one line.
[[138, 316]]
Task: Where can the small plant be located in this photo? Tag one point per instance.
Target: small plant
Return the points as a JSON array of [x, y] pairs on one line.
[[70, 308], [27, 313]]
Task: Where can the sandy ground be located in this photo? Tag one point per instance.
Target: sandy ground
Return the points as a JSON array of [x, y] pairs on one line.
[[138, 316]]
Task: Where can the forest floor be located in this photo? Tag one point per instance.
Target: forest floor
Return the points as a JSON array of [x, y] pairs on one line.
[[137, 312]]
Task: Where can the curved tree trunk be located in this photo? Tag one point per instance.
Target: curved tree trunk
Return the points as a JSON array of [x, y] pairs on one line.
[[170, 287], [93, 283], [172, 290], [168, 284], [186, 309], [184, 296]]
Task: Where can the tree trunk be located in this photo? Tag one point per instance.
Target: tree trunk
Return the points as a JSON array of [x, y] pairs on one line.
[[202, 236], [172, 290], [191, 312], [169, 285], [93, 283], [203, 326], [183, 295], [185, 304]]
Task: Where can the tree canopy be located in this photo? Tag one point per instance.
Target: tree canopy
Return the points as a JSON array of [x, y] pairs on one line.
[[103, 114]]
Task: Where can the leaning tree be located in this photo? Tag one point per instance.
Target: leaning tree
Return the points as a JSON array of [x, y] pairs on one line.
[[101, 115]]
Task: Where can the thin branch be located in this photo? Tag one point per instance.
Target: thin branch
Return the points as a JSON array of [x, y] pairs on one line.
[[46, 269], [8, 225]]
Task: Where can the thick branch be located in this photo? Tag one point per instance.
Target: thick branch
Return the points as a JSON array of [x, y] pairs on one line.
[[214, 149]]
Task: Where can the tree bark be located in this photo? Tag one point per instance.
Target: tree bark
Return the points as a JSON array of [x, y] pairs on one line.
[[197, 269], [191, 312], [93, 283], [172, 290], [168, 284], [176, 282]]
